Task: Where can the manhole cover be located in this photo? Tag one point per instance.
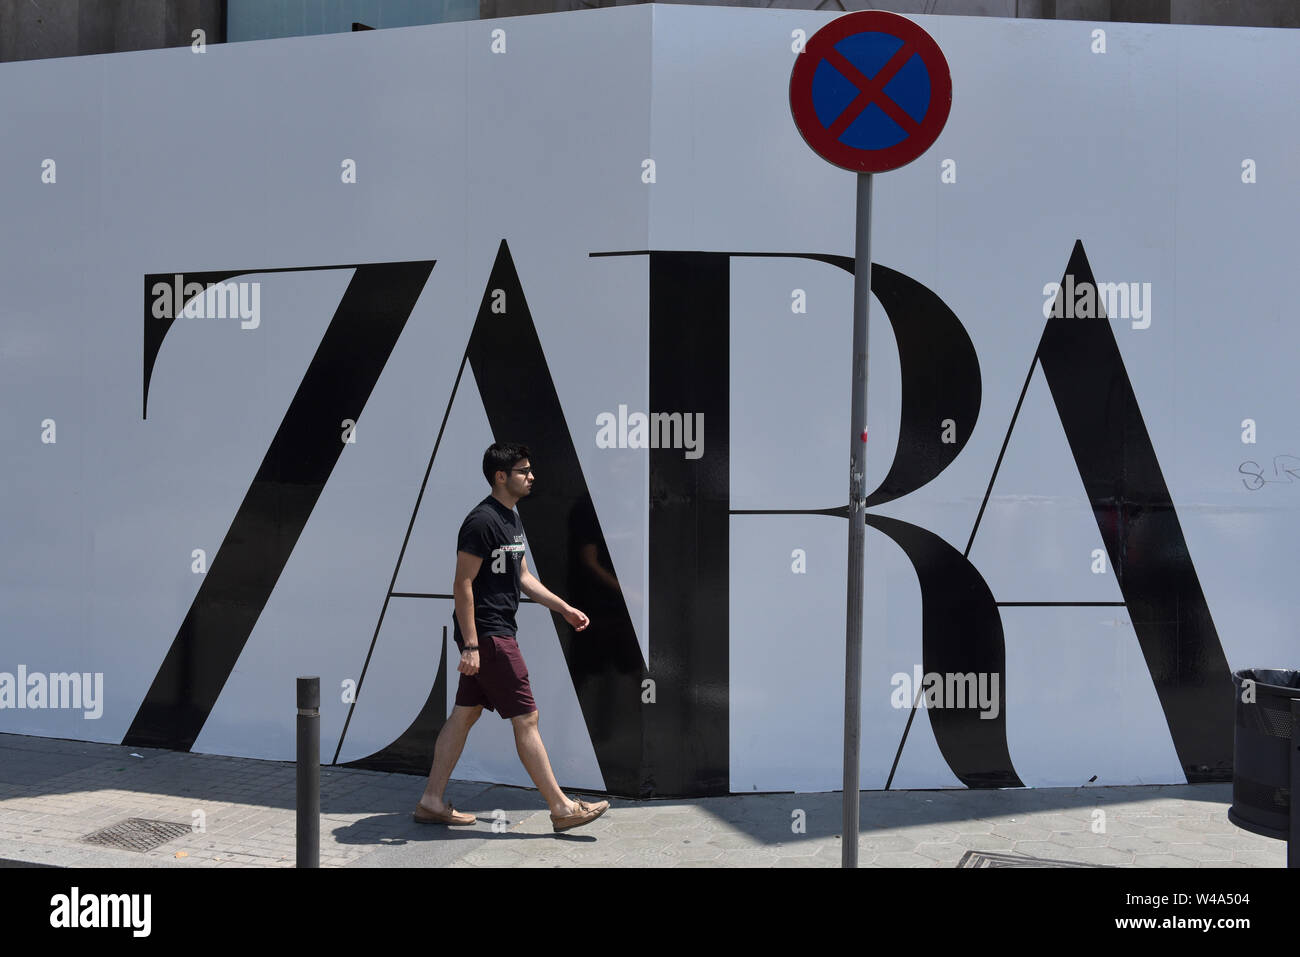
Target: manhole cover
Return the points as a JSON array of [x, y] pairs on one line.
[[137, 834], [994, 859]]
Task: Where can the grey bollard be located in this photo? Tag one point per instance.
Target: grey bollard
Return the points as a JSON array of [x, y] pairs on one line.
[[308, 828]]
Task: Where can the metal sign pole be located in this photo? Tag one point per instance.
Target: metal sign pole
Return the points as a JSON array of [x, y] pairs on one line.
[[857, 523], [915, 78]]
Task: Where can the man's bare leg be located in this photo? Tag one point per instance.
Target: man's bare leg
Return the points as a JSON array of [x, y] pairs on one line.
[[528, 741], [446, 752]]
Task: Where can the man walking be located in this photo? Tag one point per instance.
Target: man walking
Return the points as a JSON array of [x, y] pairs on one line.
[[490, 573]]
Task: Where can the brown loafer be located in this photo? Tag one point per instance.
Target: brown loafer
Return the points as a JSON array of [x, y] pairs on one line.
[[450, 816], [586, 813]]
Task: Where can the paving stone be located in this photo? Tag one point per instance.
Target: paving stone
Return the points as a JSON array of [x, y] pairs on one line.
[[246, 858], [1080, 839], [1243, 839], [644, 858], [747, 858], [491, 856], [1047, 850], [769, 823], [1213, 825], [899, 859], [977, 826], [1173, 835], [1200, 852], [930, 834], [735, 840], [795, 848], [698, 852], [1234, 864], [1022, 832], [671, 814], [684, 822], [811, 860], [1181, 809], [607, 855], [1101, 855], [1132, 844], [949, 853], [911, 816], [1146, 821], [1272, 858], [1064, 822], [899, 817], [679, 835], [984, 842], [883, 844], [1116, 825], [644, 844], [627, 831], [1160, 860]]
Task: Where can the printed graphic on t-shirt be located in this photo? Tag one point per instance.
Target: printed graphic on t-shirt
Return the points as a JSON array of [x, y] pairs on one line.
[[502, 552]]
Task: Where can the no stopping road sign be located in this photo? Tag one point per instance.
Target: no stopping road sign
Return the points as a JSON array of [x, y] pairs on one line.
[[871, 91]]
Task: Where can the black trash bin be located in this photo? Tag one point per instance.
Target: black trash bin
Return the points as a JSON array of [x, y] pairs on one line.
[[1261, 764]]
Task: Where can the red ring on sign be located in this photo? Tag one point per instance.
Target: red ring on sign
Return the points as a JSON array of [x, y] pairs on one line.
[[828, 146]]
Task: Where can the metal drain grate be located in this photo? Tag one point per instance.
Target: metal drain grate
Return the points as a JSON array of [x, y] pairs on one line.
[[137, 834], [994, 859]]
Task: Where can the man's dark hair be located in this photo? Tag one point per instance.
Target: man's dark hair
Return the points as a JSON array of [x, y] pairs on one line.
[[501, 457]]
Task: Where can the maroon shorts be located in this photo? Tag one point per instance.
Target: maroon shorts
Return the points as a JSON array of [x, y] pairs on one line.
[[501, 683]]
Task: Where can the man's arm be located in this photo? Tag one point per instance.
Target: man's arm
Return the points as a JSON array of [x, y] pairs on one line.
[[462, 590], [538, 592]]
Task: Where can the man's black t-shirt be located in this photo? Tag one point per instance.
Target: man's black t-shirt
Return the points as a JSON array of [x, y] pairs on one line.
[[495, 534]]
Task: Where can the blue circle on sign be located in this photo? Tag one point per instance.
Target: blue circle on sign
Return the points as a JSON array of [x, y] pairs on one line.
[[832, 91]]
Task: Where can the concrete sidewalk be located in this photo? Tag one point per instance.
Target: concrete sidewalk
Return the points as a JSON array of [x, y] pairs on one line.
[[54, 793]]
